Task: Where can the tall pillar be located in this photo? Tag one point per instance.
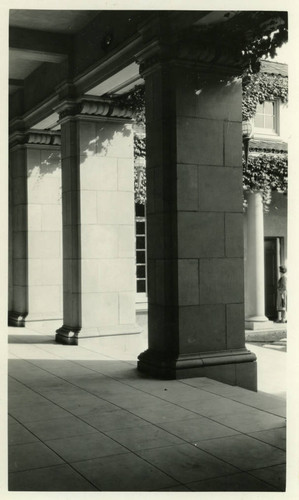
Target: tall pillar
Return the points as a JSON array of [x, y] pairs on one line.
[[98, 221], [255, 263], [18, 272], [194, 222], [36, 228]]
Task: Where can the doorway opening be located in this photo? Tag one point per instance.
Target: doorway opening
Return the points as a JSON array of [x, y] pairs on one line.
[[274, 257]]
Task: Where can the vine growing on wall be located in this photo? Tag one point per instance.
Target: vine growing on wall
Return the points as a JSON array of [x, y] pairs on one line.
[[266, 173], [135, 101], [261, 87]]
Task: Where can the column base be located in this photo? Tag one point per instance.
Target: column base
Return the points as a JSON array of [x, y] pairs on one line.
[[235, 367], [16, 319], [67, 335], [70, 336], [255, 323]]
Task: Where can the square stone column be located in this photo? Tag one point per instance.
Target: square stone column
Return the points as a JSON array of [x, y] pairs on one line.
[[98, 228], [194, 225], [18, 236], [36, 229]]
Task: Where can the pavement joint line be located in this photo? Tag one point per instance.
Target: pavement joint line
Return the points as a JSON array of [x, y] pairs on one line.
[[231, 475], [128, 410], [131, 452], [57, 465], [142, 391], [102, 432], [135, 453], [156, 424]]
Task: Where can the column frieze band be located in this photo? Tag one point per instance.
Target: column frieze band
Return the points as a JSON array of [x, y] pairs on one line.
[[193, 51], [34, 137], [92, 107]]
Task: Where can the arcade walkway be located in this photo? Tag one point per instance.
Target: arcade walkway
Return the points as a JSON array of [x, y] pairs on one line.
[[81, 418]]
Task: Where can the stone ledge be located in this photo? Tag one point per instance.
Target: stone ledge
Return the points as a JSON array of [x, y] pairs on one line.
[[265, 335], [252, 324]]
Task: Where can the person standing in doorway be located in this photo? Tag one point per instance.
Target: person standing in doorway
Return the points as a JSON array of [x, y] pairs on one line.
[[282, 295]]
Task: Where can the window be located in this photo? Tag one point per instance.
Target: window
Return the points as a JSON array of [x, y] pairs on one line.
[[140, 248], [266, 118]]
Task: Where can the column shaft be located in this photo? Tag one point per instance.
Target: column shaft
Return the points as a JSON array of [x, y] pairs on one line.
[[36, 227], [98, 229], [18, 275], [255, 261]]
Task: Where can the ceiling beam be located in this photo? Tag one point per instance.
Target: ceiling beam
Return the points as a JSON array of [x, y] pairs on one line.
[[40, 45]]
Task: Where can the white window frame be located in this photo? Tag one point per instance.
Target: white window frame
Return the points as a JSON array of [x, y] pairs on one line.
[[267, 132], [141, 297]]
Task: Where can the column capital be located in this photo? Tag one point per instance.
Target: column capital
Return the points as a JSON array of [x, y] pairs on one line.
[[34, 137], [193, 49], [91, 106]]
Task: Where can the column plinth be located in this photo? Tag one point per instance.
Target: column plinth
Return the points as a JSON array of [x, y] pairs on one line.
[[236, 367]]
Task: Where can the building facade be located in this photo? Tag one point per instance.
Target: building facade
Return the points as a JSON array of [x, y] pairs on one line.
[[265, 221]]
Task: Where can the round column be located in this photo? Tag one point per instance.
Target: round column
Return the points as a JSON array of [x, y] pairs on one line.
[[255, 258]]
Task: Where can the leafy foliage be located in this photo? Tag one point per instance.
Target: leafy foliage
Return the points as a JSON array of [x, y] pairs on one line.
[[139, 146], [135, 101], [140, 185], [245, 37], [262, 87], [266, 173], [268, 31]]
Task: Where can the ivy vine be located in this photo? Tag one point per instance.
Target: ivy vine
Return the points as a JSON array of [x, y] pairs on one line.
[[266, 173], [139, 146], [135, 101], [261, 87]]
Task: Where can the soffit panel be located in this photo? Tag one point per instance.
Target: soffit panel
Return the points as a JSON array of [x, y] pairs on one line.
[[21, 66], [56, 21]]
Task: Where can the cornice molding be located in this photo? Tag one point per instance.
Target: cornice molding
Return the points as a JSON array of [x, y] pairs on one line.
[[92, 107], [192, 51], [43, 137], [34, 137]]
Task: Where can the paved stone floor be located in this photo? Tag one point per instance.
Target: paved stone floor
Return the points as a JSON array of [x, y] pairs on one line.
[[81, 418]]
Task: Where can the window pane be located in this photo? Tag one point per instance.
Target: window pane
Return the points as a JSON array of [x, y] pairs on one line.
[[140, 286], [139, 210], [259, 121], [140, 257], [260, 108], [269, 107], [140, 242], [269, 122], [140, 271], [140, 227]]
